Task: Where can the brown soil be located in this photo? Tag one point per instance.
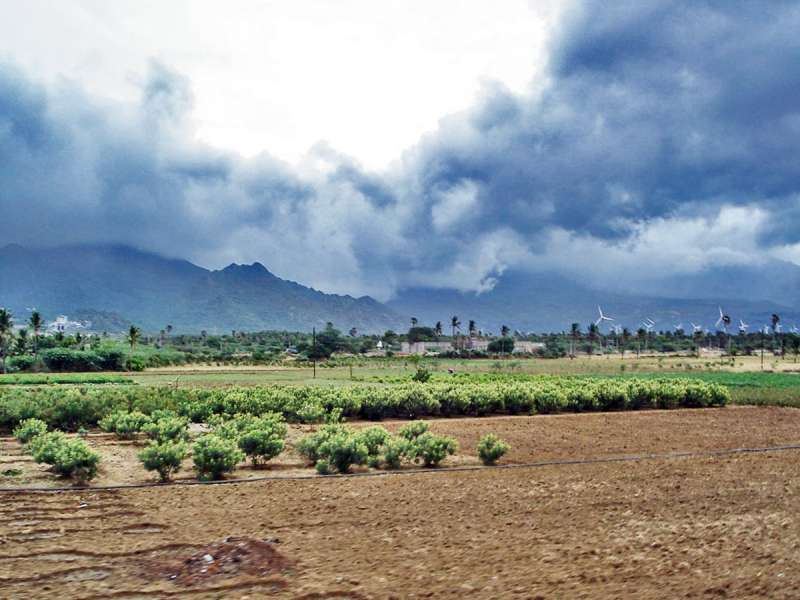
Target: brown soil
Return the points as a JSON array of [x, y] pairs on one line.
[[714, 527], [532, 439]]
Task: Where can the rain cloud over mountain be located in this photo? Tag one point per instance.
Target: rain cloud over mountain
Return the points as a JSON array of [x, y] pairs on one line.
[[664, 141]]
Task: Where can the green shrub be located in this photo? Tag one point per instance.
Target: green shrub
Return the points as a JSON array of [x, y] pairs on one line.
[[343, 450], [309, 445], [491, 448], [125, 424], [413, 430], [323, 467], [43, 447], [422, 375], [73, 458], [29, 429], [374, 438], [432, 449], [164, 457], [214, 456], [168, 428], [261, 444], [394, 450]]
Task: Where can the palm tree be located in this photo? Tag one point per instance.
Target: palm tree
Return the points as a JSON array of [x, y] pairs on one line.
[[133, 337], [353, 332], [36, 323], [414, 321], [22, 341], [626, 338], [438, 328], [455, 324], [6, 325], [471, 327], [641, 333], [575, 333], [592, 337]]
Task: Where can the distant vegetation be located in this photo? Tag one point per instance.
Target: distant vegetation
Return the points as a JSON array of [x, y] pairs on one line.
[[27, 349]]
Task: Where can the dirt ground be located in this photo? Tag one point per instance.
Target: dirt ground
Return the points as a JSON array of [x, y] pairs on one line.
[[532, 439], [701, 527]]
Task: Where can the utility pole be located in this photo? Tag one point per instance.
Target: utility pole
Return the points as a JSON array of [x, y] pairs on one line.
[[314, 346]]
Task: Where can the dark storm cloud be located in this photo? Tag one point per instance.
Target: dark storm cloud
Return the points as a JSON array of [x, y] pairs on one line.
[[653, 112]]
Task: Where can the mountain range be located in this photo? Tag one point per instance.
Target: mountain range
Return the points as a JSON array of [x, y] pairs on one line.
[[113, 286]]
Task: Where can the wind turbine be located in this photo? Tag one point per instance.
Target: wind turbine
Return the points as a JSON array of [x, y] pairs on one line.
[[696, 328], [602, 317], [794, 329], [723, 320], [743, 327]]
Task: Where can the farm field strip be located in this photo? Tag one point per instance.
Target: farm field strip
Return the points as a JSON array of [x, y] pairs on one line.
[[397, 472], [654, 529]]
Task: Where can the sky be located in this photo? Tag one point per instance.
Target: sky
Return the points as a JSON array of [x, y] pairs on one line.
[[365, 147]]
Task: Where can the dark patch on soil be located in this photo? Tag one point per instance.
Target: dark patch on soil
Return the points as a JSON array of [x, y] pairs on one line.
[[232, 557]]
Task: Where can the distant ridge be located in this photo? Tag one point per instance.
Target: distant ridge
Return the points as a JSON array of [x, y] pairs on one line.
[[153, 291]]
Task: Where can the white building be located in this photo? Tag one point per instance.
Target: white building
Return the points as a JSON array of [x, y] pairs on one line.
[[62, 324]]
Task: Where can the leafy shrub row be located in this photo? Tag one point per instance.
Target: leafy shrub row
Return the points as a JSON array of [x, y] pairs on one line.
[[337, 447], [70, 408], [68, 457]]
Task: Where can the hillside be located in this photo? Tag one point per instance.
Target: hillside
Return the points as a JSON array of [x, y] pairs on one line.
[[152, 291]]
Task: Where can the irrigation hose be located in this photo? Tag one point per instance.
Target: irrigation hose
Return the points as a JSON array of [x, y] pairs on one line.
[[433, 471]]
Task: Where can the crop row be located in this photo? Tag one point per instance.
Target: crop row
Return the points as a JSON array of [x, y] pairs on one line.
[[74, 407]]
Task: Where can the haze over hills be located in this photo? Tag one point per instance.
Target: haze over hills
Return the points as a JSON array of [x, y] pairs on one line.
[[152, 291], [115, 285]]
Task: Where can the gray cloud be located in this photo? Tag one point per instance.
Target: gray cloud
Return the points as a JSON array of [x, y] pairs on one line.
[[669, 114]]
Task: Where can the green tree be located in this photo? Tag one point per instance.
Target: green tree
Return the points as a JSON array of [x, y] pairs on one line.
[[6, 334], [472, 327], [36, 324], [438, 328], [575, 334], [592, 337], [133, 338], [454, 324], [22, 341]]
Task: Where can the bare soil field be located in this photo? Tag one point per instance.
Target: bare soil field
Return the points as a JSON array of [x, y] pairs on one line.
[[532, 438], [699, 527]]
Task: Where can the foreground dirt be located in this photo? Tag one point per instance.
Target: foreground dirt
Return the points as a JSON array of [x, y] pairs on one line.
[[710, 527], [532, 439]]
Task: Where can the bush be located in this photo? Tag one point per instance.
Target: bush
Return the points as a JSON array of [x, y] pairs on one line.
[[73, 458], [309, 446], [491, 448], [43, 447], [343, 450], [214, 456], [413, 430], [167, 429], [125, 424], [421, 376], [29, 429], [261, 444], [164, 457], [394, 450], [374, 438], [432, 449], [323, 467]]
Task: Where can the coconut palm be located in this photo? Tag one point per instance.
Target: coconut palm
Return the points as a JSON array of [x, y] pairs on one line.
[[438, 328], [6, 333], [36, 322], [455, 324], [575, 333], [133, 337], [22, 341], [471, 327]]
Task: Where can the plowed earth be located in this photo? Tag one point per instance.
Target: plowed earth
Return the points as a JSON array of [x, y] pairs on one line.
[[691, 527]]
